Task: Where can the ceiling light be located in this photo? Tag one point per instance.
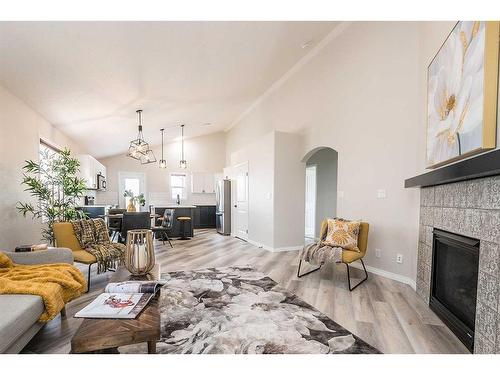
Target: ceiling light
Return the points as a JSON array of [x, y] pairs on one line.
[[183, 162], [162, 163], [139, 148]]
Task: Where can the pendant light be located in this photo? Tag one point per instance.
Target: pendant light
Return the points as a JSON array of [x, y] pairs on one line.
[[183, 162], [162, 162], [139, 148]]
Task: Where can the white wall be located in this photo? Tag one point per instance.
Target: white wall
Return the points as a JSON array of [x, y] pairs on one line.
[[203, 154], [20, 131], [326, 161], [362, 95], [260, 157], [289, 192], [276, 188]]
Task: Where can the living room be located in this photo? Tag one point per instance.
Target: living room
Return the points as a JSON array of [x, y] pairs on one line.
[[283, 185]]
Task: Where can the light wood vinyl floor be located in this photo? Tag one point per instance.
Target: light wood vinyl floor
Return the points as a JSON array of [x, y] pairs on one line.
[[386, 314]]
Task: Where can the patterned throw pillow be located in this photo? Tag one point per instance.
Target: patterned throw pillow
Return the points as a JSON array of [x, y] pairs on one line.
[[342, 233]]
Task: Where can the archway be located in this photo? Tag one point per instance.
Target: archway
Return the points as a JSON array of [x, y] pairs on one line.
[[321, 188]]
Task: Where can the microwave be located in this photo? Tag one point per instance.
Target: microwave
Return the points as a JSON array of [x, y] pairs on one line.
[[101, 182]]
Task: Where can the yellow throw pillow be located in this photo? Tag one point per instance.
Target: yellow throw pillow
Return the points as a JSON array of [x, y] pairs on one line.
[[342, 233]]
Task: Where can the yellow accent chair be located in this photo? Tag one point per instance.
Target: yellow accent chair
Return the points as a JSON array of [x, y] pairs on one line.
[[65, 237], [348, 256]]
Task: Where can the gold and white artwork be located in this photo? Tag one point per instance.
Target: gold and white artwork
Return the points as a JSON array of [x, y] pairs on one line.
[[456, 100]]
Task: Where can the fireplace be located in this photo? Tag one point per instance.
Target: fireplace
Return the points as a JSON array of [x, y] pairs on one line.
[[454, 277]]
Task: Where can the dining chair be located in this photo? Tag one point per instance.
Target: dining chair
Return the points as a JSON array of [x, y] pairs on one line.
[[166, 225], [134, 220], [115, 223]]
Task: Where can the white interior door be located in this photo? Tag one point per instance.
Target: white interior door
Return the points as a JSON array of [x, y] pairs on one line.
[[310, 210], [131, 181], [240, 173]]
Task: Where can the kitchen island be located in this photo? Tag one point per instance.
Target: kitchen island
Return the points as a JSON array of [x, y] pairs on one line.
[[180, 210]]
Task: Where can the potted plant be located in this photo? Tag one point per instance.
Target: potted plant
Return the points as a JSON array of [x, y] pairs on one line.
[[55, 187], [134, 200]]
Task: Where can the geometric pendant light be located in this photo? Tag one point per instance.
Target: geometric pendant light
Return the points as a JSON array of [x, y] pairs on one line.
[[139, 148]]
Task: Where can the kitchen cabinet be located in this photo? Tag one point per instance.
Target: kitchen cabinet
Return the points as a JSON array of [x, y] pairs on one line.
[[89, 169], [204, 216], [176, 230], [202, 183]]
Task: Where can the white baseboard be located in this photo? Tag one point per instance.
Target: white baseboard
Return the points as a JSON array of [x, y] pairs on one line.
[[288, 248], [259, 245], [275, 249], [389, 275]]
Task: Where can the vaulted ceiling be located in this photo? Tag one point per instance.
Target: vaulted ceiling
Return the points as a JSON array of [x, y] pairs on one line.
[[88, 78]]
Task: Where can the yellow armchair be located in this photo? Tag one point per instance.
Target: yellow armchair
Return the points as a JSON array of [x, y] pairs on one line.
[[348, 256], [65, 237]]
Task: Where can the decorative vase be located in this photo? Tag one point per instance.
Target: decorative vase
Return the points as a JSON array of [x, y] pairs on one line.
[[131, 207], [140, 254]]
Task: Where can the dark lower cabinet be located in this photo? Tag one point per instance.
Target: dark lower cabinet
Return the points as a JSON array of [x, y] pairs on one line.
[[204, 217], [175, 232]]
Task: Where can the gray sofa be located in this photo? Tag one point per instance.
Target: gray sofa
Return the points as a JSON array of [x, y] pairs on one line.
[[19, 312]]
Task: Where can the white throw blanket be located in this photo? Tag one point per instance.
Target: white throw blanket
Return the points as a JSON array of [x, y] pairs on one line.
[[319, 253]]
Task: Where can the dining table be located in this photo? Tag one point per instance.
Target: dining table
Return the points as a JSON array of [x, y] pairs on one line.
[[120, 216]]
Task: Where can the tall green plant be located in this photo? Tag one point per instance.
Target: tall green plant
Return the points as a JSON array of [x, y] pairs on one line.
[[54, 184]]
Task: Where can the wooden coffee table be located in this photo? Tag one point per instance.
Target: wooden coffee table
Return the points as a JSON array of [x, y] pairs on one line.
[[106, 335]]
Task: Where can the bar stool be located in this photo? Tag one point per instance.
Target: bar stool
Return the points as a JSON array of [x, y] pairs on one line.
[[182, 220]]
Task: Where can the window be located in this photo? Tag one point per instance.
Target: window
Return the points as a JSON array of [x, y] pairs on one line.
[[132, 184], [131, 181], [46, 152], [178, 185], [46, 156]]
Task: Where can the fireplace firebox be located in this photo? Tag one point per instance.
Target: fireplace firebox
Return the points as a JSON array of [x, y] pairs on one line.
[[454, 277]]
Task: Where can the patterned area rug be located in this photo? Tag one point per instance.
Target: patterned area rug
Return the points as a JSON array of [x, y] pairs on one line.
[[240, 310]]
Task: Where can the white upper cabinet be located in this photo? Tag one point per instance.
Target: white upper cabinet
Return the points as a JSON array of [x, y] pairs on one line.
[[202, 183], [99, 168], [89, 169]]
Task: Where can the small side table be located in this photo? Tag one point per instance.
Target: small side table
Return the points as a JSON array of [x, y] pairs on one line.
[[106, 335]]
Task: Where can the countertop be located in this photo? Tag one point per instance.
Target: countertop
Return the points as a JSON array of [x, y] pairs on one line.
[[95, 205], [176, 206]]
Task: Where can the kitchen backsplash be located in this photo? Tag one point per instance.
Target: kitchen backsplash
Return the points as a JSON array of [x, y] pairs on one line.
[[155, 198]]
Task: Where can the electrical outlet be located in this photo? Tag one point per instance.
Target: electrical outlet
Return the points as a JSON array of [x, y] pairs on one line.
[[399, 258], [378, 253], [381, 194]]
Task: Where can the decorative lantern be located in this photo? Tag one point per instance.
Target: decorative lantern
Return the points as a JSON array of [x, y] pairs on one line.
[[140, 254]]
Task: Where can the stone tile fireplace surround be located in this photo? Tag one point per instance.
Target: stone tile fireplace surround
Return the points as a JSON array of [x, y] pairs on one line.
[[470, 208]]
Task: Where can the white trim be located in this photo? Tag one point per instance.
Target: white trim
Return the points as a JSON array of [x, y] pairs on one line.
[[274, 249], [288, 248], [337, 30], [387, 274], [234, 187], [259, 245]]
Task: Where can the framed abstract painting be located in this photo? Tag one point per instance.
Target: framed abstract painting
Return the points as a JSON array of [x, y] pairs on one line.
[[462, 83]]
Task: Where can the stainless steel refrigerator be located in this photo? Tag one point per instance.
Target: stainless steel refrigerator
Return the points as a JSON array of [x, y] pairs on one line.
[[223, 207]]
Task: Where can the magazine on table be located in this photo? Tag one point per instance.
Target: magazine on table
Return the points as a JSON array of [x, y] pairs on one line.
[[123, 300]]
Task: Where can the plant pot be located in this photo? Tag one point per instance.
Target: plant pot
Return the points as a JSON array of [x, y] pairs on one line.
[[131, 207]]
